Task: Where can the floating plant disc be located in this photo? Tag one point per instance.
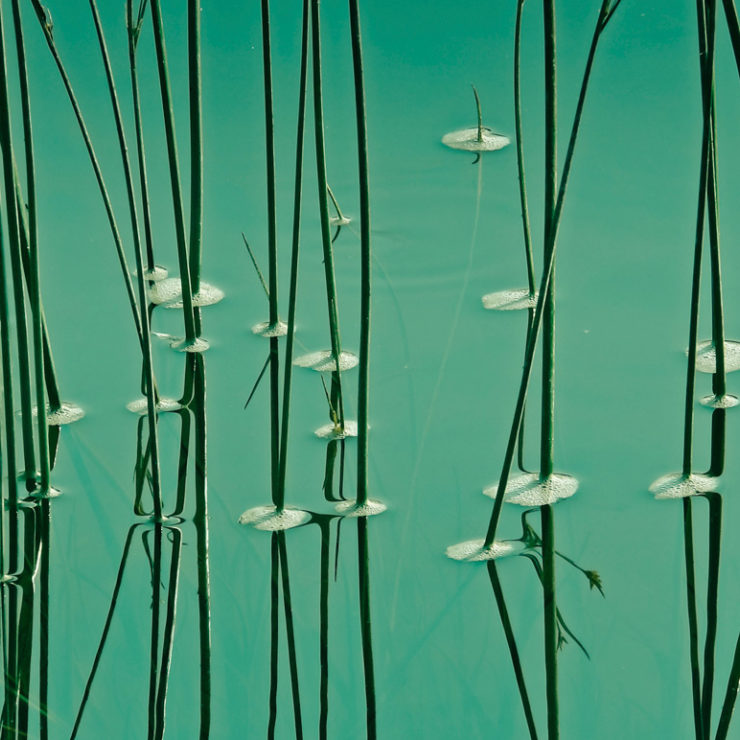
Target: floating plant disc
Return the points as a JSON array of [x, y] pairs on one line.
[[190, 345], [720, 402], [677, 485], [531, 490], [168, 293], [340, 221], [509, 300], [349, 508], [472, 551], [330, 431], [67, 414], [706, 357], [141, 405], [154, 275], [323, 361], [266, 329], [468, 140], [268, 518]]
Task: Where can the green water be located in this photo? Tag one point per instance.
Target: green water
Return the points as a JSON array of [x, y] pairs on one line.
[[444, 376]]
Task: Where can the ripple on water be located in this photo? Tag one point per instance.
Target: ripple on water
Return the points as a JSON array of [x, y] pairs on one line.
[[269, 519], [531, 490], [678, 485], [323, 361], [473, 551], [467, 140]]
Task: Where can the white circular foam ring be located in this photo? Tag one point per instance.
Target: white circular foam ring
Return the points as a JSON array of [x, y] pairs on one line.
[[168, 294], [68, 413], [190, 345], [468, 140], [269, 519], [473, 551], [677, 485], [266, 329], [165, 405], [531, 490], [509, 300], [330, 431], [323, 361], [352, 510], [706, 356], [727, 401]]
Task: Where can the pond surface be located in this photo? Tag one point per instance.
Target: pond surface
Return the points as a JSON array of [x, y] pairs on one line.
[[383, 630]]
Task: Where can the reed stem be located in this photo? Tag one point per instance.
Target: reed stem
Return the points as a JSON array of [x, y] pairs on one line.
[[295, 247], [174, 167], [688, 543], [331, 289], [606, 12], [365, 252]]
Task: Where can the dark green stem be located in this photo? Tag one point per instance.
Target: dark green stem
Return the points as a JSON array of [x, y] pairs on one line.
[[550, 617], [365, 253], [293, 292], [196, 143], [331, 290], [174, 167]]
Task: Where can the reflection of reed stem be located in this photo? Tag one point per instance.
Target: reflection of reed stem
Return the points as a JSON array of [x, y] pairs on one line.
[[688, 539], [324, 628], [363, 556], [168, 636], [513, 650], [730, 696], [45, 537], [290, 632], [106, 629], [715, 535], [274, 626], [550, 617]]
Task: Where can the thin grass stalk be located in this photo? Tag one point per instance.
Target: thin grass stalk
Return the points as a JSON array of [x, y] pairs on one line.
[[715, 541], [272, 259], [134, 30], [34, 285], [293, 290], [728, 705], [368, 664], [196, 143], [50, 376], [365, 255], [513, 649], [331, 288], [146, 350], [606, 12], [46, 27], [290, 633], [168, 637], [174, 168], [717, 464], [688, 544], [106, 630], [14, 248], [733, 26], [520, 149]]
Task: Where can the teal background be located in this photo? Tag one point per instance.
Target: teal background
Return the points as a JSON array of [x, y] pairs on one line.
[[444, 372]]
